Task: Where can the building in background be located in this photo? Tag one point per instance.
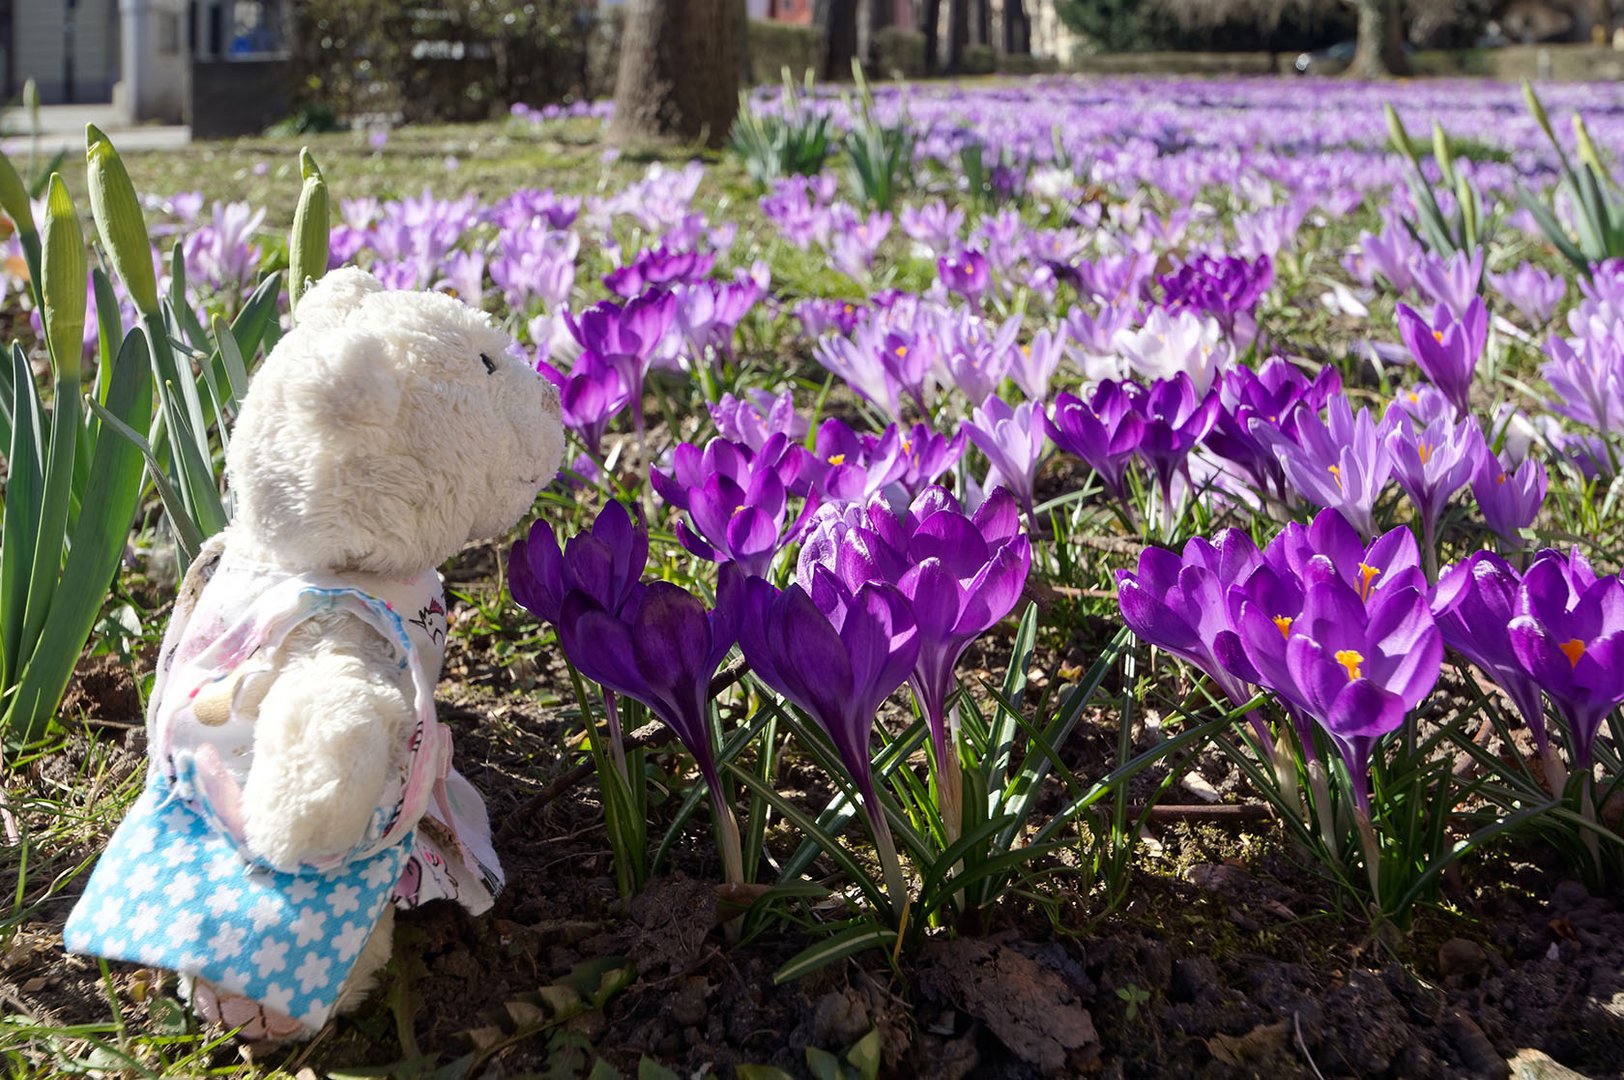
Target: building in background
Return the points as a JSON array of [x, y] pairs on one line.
[[136, 54]]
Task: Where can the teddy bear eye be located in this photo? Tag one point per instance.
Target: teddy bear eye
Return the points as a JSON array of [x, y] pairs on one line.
[[490, 365]]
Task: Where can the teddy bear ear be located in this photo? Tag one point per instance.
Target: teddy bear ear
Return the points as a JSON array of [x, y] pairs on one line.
[[330, 301], [351, 383]]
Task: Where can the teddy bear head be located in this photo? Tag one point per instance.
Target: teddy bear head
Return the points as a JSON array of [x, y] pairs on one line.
[[385, 431]]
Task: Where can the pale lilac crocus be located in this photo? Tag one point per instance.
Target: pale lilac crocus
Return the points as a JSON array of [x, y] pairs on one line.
[[1431, 462], [1031, 366], [752, 421], [1013, 439], [1510, 498], [1340, 462], [1451, 282], [1532, 291]]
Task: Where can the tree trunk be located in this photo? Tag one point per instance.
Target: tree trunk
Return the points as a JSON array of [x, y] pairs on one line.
[[839, 21], [983, 26], [679, 72], [1017, 28], [958, 33], [931, 24], [1381, 40]]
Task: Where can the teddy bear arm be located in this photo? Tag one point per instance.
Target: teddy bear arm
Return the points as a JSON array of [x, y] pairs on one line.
[[330, 726]]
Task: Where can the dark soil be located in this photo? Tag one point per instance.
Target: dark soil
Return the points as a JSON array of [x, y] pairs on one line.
[[1227, 958]]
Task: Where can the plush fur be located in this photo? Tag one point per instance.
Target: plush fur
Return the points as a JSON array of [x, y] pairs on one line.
[[374, 442]]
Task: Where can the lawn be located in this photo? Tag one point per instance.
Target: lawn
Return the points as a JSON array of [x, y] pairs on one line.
[[1235, 475]]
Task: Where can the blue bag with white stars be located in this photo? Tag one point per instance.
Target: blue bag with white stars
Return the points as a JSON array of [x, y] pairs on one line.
[[172, 892]]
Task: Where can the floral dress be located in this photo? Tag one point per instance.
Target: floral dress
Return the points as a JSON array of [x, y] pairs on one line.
[[178, 887]]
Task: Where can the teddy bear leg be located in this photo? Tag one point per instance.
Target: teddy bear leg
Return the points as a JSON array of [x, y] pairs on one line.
[[255, 1023], [375, 954]]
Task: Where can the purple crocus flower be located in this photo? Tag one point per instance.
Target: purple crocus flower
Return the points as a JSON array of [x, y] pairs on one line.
[[708, 312], [843, 468], [1359, 664], [1339, 462], [926, 454], [1033, 365], [1393, 254], [1532, 291], [838, 661], [1012, 437], [752, 422], [1452, 283], [735, 498], [965, 272], [1474, 603], [976, 353], [1104, 432], [1568, 635], [605, 563], [1269, 395], [663, 648], [1177, 419], [1178, 602], [1448, 348], [657, 268], [1226, 288], [1587, 379], [1509, 498], [1432, 462], [960, 573], [626, 338], [590, 395]]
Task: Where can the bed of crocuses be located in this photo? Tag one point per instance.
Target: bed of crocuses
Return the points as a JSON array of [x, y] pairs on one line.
[[1274, 438]]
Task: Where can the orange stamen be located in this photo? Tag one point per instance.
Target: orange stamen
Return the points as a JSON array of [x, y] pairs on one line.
[[1367, 574], [1284, 624], [1336, 471], [1572, 649], [1351, 660], [837, 459]]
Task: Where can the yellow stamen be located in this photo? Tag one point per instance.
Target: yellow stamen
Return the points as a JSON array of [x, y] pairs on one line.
[[1351, 660], [1572, 649], [837, 459], [1438, 336], [1026, 350], [907, 447], [1367, 574], [902, 350], [1336, 471], [1415, 398], [1284, 623], [1425, 451], [850, 309]]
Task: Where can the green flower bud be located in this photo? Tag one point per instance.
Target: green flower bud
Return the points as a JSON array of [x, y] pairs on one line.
[[119, 220], [308, 242], [1400, 137], [62, 282], [1442, 154], [1587, 148], [1537, 110]]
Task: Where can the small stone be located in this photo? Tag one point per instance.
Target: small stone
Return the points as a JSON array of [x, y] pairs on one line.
[[839, 1019], [1569, 895], [688, 1003], [1462, 963], [1477, 1053], [1532, 1064]]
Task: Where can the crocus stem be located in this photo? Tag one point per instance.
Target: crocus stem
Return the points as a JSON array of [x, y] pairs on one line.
[[1556, 773], [1587, 810], [886, 849], [1285, 775], [727, 838], [1429, 546], [950, 797], [1320, 784], [617, 740], [1367, 840]]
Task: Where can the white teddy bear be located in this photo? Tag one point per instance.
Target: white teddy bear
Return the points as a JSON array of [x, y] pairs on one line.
[[299, 782]]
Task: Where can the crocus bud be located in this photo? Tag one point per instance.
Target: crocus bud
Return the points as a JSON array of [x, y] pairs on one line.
[[119, 220], [1587, 148], [307, 244], [1537, 110], [1441, 152], [1400, 137], [14, 199], [62, 282]]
